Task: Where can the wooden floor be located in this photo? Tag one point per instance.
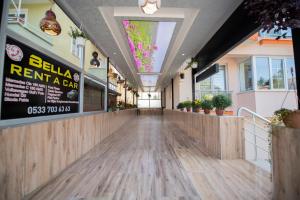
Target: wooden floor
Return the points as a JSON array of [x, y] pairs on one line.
[[150, 158]]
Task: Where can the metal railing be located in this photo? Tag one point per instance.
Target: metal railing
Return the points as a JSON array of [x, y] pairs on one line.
[[257, 138], [200, 93]]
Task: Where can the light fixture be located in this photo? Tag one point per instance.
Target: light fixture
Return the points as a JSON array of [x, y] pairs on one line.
[[49, 24], [194, 65], [95, 62], [182, 54], [149, 6]]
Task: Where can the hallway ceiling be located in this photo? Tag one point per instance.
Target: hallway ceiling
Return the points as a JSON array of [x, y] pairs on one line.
[[187, 26]]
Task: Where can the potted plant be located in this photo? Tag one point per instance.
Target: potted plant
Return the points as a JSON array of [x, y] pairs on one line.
[[78, 35], [188, 105], [220, 102], [180, 106], [290, 118], [197, 105], [207, 105]]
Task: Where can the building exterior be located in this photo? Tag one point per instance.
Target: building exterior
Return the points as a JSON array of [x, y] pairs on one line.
[[64, 46], [258, 74]]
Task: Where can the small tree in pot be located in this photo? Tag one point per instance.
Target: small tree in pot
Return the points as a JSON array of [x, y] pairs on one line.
[[197, 105], [180, 106], [188, 105], [207, 106], [220, 102]]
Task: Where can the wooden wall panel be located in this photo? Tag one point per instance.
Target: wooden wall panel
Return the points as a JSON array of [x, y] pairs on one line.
[[220, 137], [33, 154], [12, 148], [232, 137], [286, 163]]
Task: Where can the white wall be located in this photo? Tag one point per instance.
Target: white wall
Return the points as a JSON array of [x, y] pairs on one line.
[[185, 86], [269, 101], [169, 96], [232, 79], [246, 99], [255, 48], [182, 89]]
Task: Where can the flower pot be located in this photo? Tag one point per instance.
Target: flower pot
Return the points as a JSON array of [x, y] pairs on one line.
[[181, 109], [206, 111], [197, 110], [219, 112], [80, 41], [188, 109], [292, 120]]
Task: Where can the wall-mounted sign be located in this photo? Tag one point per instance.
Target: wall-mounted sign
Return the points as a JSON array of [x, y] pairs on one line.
[[36, 85]]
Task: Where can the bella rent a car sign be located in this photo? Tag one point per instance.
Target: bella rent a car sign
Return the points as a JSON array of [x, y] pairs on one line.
[[36, 85]]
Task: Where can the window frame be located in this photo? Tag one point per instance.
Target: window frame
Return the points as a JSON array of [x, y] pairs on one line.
[[270, 58], [252, 73], [211, 78], [286, 73], [22, 11], [255, 74]]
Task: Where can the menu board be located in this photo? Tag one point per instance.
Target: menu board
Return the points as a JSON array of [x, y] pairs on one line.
[[35, 84]]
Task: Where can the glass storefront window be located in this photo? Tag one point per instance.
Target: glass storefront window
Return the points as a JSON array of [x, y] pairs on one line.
[[216, 82], [26, 23], [263, 73], [277, 74], [152, 101], [246, 75]]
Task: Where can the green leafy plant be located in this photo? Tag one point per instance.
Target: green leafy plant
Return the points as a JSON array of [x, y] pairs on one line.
[[180, 106], [282, 113], [187, 104], [76, 33], [221, 101], [208, 97], [207, 104], [197, 103]]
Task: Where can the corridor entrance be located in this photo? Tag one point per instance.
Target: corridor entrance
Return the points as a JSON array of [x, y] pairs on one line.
[[151, 158]]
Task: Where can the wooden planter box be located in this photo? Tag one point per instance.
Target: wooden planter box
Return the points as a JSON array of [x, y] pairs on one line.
[[286, 162], [220, 137]]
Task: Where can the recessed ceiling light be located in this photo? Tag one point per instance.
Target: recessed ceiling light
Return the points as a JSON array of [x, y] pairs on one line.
[[182, 54], [115, 53]]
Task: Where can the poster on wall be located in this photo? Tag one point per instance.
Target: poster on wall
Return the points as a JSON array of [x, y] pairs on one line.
[[35, 84]]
